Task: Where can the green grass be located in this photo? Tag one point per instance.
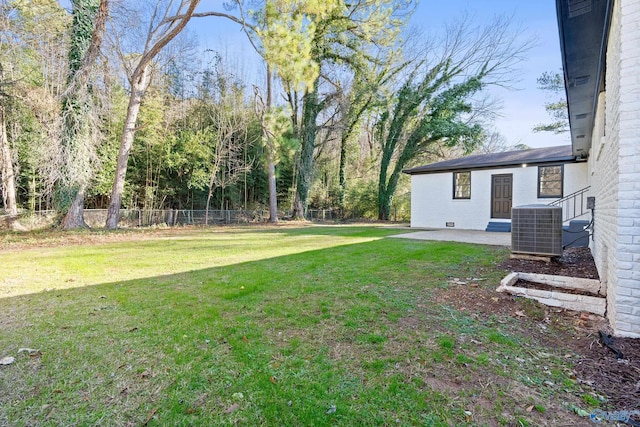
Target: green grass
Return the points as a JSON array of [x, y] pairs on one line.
[[259, 326]]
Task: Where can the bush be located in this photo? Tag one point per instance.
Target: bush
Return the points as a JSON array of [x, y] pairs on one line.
[[361, 200]]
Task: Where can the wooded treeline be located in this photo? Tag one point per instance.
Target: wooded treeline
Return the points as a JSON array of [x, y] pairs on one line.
[[113, 104]]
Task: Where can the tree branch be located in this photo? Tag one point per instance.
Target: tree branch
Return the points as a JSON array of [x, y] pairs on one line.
[[164, 40]]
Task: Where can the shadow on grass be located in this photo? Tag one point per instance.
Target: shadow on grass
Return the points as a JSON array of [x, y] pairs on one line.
[[309, 338], [68, 265]]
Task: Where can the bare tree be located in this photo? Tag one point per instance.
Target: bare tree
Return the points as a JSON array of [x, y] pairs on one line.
[[33, 42], [269, 137], [231, 122], [7, 176], [165, 23], [495, 142], [6, 163]]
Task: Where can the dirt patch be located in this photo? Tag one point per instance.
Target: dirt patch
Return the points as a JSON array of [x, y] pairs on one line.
[[448, 385], [615, 381], [550, 326], [574, 262], [543, 287], [618, 380], [482, 300]]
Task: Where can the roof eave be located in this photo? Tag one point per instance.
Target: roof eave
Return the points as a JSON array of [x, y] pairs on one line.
[[583, 35], [498, 165]]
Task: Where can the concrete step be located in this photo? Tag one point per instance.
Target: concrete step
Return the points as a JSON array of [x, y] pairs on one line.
[[501, 227]]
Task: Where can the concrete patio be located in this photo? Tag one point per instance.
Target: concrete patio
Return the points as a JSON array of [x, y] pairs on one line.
[[464, 236]]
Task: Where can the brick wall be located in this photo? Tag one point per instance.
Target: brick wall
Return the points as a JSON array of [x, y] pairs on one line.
[[615, 172], [604, 169], [627, 320]]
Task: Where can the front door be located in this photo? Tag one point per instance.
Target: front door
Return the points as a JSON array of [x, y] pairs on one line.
[[501, 194]]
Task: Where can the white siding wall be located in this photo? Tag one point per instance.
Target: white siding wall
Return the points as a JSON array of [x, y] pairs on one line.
[[615, 172], [432, 203]]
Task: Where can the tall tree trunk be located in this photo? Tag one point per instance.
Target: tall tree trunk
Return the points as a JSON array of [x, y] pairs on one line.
[[310, 111], [8, 178], [384, 204], [387, 186], [273, 195], [75, 215], [139, 84], [206, 212], [386, 191], [343, 161], [384, 197], [32, 191], [89, 21], [271, 165], [298, 208]]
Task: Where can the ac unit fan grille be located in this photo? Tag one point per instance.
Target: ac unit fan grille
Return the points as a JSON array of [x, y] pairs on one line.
[[537, 230]]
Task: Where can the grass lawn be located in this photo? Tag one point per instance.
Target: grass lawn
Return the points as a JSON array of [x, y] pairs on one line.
[[282, 326]]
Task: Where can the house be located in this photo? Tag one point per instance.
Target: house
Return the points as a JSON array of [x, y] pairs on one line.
[[600, 44], [477, 192]]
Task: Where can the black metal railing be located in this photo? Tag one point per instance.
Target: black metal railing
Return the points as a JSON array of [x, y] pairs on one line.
[[574, 205]]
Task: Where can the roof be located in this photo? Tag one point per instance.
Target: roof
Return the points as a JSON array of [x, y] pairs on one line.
[[584, 28], [558, 154]]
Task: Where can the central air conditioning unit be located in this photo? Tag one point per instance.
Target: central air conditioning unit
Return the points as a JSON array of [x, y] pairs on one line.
[[536, 230]]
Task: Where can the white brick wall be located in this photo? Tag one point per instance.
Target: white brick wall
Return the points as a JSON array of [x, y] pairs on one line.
[[627, 320], [614, 171], [432, 203]]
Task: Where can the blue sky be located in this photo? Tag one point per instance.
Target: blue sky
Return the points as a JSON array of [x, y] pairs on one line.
[[522, 107]]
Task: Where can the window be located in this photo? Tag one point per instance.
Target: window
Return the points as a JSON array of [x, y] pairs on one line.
[[462, 185], [550, 181]]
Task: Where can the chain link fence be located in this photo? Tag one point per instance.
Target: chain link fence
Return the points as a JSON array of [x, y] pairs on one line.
[[174, 217], [96, 218]]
